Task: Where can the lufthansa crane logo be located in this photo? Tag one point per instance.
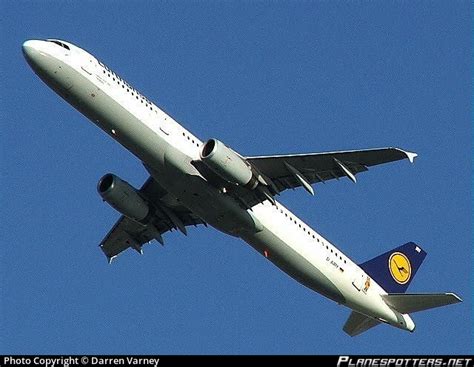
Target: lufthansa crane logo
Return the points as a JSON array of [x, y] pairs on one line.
[[400, 267]]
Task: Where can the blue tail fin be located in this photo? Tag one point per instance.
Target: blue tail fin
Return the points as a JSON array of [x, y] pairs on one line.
[[395, 269]]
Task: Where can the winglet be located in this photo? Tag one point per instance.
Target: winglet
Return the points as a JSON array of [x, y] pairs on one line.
[[410, 155], [111, 258], [455, 297]]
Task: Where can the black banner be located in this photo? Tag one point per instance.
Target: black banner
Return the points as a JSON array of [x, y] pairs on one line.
[[301, 361]]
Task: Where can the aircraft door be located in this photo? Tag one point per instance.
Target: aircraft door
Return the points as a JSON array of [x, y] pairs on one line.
[[88, 66], [166, 125], [358, 280]]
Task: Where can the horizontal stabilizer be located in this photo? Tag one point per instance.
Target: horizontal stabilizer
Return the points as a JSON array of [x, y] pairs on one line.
[[407, 303], [357, 323]]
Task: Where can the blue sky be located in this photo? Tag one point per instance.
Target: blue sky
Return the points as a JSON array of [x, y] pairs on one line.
[[265, 78]]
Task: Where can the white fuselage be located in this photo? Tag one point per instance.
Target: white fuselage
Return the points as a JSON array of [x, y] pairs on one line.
[[167, 150]]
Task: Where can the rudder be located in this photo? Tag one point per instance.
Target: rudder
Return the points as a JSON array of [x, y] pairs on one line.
[[394, 270]]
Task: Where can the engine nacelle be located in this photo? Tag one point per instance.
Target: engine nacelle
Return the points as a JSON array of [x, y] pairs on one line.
[[227, 164], [123, 197]]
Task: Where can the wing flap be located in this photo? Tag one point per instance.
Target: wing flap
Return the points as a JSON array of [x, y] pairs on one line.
[[124, 234]]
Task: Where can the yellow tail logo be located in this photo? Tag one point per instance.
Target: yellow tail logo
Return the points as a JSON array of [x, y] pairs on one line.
[[400, 267]]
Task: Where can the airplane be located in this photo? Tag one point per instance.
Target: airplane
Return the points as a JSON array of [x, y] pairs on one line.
[[194, 182]]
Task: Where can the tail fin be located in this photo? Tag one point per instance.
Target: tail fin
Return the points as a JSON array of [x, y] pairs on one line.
[[406, 303], [395, 269]]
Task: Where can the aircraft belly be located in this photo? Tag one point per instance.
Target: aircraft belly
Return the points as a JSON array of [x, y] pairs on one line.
[[221, 211], [294, 264]]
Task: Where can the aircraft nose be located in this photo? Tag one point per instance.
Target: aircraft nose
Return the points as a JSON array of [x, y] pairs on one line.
[[31, 50]]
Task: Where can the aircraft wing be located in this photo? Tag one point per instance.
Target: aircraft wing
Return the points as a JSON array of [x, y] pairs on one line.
[[294, 170], [169, 215]]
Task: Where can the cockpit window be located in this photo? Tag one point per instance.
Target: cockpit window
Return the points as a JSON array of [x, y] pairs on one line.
[[63, 45]]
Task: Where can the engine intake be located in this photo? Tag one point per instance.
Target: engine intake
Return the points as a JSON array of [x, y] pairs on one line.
[[123, 197], [227, 164]]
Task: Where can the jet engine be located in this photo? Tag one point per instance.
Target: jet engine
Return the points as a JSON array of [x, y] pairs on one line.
[[227, 164], [123, 197]]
